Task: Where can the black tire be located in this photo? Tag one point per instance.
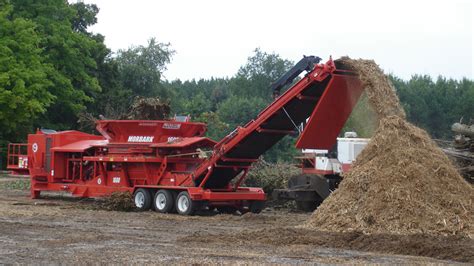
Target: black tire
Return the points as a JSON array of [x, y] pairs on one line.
[[306, 206], [226, 209], [163, 201], [257, 206], [175, 195], [142, 199], [184, 204]]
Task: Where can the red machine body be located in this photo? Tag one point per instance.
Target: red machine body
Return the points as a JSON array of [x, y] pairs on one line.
[[175, 156]]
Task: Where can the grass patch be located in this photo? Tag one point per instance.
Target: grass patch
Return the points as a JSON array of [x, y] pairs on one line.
[[22, 184]]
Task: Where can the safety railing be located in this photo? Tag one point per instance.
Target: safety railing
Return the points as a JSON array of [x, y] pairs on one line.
[[17, 156]]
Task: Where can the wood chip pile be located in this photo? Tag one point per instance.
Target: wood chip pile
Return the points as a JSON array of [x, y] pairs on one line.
[[402, 182]]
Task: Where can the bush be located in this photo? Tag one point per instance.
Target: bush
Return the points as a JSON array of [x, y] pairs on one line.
[[22, 184]]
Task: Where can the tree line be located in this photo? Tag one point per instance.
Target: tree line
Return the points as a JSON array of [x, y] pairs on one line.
[[52, 68]]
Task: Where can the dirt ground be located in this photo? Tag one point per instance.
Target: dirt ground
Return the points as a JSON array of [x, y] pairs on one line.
[[59, 229]]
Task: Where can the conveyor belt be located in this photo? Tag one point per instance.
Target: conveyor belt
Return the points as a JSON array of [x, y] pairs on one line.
[[326, 95]]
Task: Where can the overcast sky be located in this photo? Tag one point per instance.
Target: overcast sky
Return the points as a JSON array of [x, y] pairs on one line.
[[214, 38]]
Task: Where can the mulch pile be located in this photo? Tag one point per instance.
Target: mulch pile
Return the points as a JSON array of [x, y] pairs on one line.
[[401, 183]]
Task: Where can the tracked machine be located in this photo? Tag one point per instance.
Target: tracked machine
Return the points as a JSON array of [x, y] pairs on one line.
[[170, 166]]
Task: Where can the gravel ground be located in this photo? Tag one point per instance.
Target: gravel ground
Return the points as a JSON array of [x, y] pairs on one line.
[[60, 229]]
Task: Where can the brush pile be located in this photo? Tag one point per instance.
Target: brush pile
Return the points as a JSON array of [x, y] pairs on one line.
[[148, 109], [402, 182], [270, 176], [117, 201], [141, 109]]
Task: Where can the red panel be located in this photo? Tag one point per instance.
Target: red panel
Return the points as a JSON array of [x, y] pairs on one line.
[[36, 154], [242, 193], [184, 142], [80, 146], [148, 131], [331, 113]]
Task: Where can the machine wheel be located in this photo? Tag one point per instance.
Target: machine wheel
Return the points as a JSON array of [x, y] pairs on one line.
[[163, 201], [257, 206], [142, 199], [306, 206], [184, 204], [226, 209]]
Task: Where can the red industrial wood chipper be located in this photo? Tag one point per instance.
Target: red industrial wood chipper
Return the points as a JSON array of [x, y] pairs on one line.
[[170, 166]]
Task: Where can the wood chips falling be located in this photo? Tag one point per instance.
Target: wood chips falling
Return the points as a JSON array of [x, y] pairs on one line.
[[402, 182]]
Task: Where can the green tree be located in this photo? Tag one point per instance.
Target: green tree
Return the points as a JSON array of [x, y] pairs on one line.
[[85, 16], [216, 129], [237, 111], [264, 65], [256, 76], [24, 76], [465, 107], [197, 105], [136, 71], [436, 105], [141, 68], [113, 100], [214, 90], [71, 51]]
